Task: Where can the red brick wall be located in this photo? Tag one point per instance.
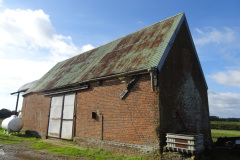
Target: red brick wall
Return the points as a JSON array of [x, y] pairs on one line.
[[183, 94], [35, 111], [133, 120]]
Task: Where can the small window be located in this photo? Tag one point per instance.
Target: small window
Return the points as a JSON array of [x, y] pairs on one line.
[[94, 115]]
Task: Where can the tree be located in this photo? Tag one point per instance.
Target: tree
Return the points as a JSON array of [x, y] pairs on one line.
[[214, 118], [5, 113]]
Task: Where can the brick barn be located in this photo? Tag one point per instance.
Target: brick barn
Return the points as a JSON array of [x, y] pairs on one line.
[[124, 96]]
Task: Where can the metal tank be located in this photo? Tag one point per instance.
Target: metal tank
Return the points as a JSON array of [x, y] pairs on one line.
[[12, 124]]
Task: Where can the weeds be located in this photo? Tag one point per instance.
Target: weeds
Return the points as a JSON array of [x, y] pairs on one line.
[[96, 154], [14, 138], [72, 152]]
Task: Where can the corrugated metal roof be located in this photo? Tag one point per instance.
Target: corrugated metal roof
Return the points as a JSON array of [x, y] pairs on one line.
[[137, 51], [25, 87]]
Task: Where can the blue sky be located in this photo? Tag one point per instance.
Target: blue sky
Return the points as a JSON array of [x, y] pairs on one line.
[[35, 35]]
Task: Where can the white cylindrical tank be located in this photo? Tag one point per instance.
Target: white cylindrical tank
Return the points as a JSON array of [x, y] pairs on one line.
[[12, 124]]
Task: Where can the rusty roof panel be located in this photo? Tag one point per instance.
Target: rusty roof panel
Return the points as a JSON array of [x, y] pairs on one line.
[[137, 51]]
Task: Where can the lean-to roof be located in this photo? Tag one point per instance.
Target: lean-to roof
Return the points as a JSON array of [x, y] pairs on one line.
[[26, 86]]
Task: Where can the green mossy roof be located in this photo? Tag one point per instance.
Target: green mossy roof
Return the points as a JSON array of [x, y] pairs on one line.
[[137, 51]]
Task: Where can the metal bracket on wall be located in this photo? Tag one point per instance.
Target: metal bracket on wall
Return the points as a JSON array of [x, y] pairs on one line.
[[153, 74], [129, 86]]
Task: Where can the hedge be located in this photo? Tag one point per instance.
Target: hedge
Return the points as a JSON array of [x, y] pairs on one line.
[[225, 126]]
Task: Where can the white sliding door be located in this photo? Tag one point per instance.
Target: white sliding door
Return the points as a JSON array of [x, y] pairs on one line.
[[61, 116]]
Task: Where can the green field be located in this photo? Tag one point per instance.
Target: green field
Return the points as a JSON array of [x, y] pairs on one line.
[[225, 125], [225, 133], [224, 122]]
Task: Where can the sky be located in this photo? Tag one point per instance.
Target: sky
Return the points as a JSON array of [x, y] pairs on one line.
[[36, 34]]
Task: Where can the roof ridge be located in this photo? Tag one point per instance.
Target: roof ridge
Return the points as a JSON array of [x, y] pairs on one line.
[[125, 36], [165, 46]]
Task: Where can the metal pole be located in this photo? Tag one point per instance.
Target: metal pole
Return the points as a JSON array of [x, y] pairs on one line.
[[17, 104]]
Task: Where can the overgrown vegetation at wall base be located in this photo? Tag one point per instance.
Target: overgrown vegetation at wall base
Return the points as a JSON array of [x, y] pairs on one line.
[[72, 152], [224, 125], [14, 138], [96, 154]]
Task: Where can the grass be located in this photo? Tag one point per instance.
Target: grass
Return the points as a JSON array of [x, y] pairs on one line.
[[224, 122], [225, 133], [14, 138], [224, 154], [93, 154], [96, 154]]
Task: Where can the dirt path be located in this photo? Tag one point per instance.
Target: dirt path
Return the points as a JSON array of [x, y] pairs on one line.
[[22, 151], [225, 131]]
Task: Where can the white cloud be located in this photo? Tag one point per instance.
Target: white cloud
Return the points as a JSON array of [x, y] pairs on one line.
[[15, 73], [86, 47], [1, 53], [224, 104], [230, 78], [32, 29], [214, 35], [29, 47]]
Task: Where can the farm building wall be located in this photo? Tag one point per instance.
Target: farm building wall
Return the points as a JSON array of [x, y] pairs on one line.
[[134, 124], [182, 91], [35, 111], [128, 125]]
